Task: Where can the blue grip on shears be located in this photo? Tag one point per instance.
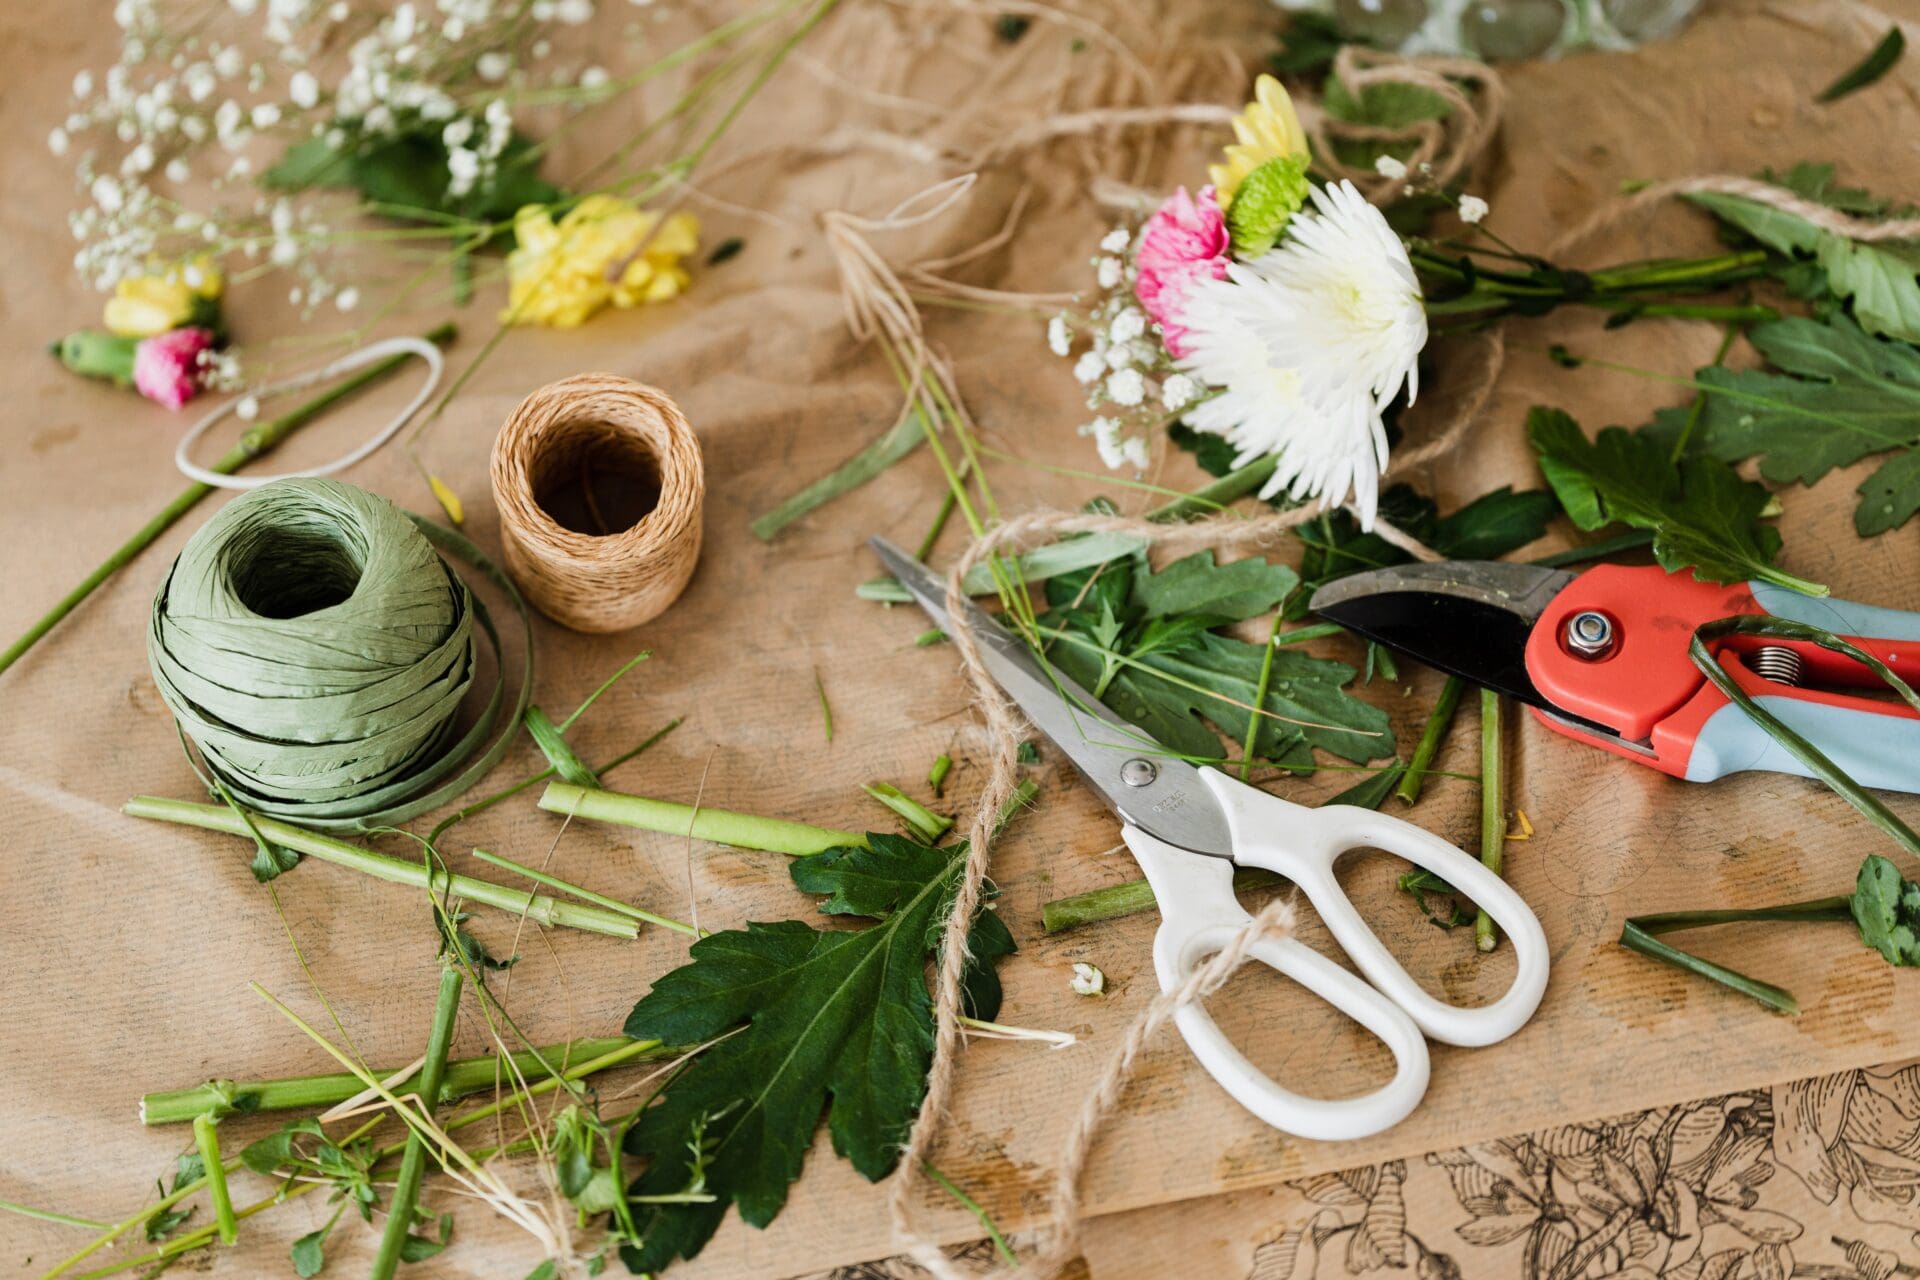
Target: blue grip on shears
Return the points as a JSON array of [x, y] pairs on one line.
[[1842, 617]]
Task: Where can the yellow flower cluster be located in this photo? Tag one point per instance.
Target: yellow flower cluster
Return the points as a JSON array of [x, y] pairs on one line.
[[1268, 129], [604, 250], [145, 305]]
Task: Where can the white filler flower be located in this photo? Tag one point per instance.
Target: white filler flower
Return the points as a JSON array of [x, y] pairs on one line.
[[1087, 980], [1307, 345]]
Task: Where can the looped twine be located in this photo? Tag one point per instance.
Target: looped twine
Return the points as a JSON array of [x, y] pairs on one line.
[[1443, 150], [624, 577]]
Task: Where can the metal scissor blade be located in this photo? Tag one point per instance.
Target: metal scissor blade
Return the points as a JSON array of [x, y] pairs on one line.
[[1468, 618], [1167, 799]]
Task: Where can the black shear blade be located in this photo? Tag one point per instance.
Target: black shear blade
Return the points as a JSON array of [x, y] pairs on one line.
[[1468, 618]]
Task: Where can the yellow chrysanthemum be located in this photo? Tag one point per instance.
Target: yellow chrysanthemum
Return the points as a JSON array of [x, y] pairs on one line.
[[604, 250], [1267, 129], [145, 305]]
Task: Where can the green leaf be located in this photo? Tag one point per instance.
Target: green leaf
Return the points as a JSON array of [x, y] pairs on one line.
[[1870, 68], [1887, 909], [420, 1248], [1373, 792], [839, 1021], [1817, 182], [1703, 516], [1195, 584], [1308, 45], [1306, 701], [1388, 104], [309, 163], [1878, 279], [309, 1251], [1840, 396]]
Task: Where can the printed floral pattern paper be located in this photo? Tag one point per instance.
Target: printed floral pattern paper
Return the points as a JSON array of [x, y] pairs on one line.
[[1818, 1178]]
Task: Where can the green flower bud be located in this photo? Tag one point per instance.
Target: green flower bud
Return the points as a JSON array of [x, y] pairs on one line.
[[95, 354], [1265, 203]]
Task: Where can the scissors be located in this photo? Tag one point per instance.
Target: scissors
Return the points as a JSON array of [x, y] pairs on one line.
[[1189, 827], [1602, 656]]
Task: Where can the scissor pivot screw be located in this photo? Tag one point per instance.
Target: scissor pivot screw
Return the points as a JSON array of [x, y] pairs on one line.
[[1138, 773], [1590, 634]]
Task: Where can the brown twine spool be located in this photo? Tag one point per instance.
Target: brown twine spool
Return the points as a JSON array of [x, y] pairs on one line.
[[600, 485]]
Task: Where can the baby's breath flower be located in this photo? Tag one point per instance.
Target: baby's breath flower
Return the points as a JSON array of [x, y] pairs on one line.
[[1107, 273], [1116, 240], [1089, 368], [58, 143], [1127, 387], [1178, 391], [1389, 167], [1128, 325], [1472, 209], [248, 409], [1087, 980], [1059, 336]]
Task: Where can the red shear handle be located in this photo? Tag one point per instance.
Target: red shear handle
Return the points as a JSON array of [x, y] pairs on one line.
[[1646, 688]]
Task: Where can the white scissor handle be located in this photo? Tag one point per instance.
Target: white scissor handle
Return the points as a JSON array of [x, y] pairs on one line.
[[1303, 844], [1200, 917]]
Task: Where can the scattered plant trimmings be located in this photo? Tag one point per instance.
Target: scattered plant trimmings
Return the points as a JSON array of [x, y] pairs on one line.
[[1884, 906], [1087, 980]]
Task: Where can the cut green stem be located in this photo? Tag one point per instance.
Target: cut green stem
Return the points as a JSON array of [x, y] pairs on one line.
[[1127, 899], [937, 776], [308, 1093], [413, 1161], [537, 907], [254, 443], [48, 1215], [741, 830], [1493, 811], [488, 802], [926, 824], [1439, 721], [972, 1206], [1260, 695], [585, 895], [207, 1140]]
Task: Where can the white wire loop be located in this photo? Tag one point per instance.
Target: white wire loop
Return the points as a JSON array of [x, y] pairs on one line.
[[366, 355]]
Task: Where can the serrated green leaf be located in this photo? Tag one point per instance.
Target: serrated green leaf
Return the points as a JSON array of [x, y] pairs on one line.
[[1195, 584], [1878, 279], [835, 1021], [1703, 516], [1840, 396]]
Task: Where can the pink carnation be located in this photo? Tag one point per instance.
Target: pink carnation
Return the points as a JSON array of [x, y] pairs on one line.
[[1185, 240], [166, 367]]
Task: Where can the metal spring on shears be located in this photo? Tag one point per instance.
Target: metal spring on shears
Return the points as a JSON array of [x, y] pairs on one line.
[[1777, 663]]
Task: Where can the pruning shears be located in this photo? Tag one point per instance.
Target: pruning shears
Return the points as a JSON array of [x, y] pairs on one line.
[[1189, 827], [1603, 656]]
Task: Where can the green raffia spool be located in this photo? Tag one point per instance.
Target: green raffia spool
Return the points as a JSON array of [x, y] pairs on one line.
[[316, 649]]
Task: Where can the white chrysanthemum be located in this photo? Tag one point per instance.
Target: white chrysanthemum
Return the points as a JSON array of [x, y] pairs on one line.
[[1307, 345]]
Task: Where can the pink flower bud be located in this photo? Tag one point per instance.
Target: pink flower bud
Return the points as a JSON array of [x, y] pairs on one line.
[[166, 367]]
